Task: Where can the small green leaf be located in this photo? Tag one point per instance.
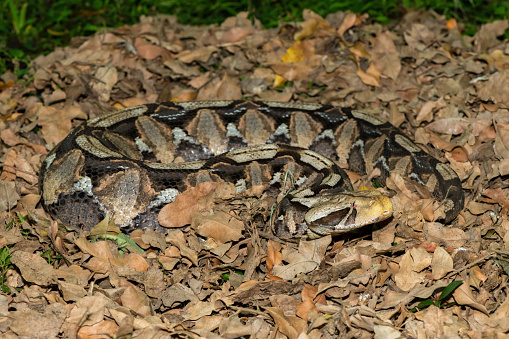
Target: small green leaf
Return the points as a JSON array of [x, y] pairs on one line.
[[16, 53], [449, 289]]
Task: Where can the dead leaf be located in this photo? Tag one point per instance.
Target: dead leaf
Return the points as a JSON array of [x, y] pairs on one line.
[[441, 263], [463, 296], [33, 268], [220, 226]]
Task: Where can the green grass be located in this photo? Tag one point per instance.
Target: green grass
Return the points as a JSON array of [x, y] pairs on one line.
[[33, 27]]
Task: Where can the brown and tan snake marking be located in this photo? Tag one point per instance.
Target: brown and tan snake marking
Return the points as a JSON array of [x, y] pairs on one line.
[[131, 162]]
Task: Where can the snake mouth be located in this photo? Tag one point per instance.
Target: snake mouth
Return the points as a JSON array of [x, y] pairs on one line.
[[344, 216]]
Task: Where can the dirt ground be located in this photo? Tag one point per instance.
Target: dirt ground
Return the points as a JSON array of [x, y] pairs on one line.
[[413, 278]]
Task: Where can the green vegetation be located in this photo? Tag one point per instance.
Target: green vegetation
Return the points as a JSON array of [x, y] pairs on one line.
[[33, 27], [5, 265], [440, 301], [50, 256]]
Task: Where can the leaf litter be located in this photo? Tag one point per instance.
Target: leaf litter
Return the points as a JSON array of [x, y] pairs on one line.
[[215, 269]]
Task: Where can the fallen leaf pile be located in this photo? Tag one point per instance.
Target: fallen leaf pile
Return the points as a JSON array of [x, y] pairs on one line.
[[218, 274]]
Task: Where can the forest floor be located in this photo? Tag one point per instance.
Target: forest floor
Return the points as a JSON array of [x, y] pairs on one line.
[[414, 277]]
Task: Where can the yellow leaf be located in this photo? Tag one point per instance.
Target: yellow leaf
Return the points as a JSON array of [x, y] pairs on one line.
[[294, 53], [279, 81]]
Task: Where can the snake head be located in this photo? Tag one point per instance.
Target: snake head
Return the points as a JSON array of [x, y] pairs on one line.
[[343, 212]]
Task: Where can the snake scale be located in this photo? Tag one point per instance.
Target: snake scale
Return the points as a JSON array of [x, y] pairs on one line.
[[131, 162]]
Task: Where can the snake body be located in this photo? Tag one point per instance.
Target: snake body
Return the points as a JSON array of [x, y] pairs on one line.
[[131, 162]]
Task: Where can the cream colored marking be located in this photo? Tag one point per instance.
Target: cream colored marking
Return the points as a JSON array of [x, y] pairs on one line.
[[446, 172], [303, 129], [308, 106], [302, 193], [282, 130], [158, 137], [331, 180], [141, 145], [232, 131], [383, 161], [251, 153], [95, 147], [329, 134], [84, 184], [179, 135], [240, 185], [316, 160], [275, 178], [407, 144], [203, 104], [302, 179], [371, 118], [192, 165], [164, 197], [112, 118], [49, 159], [416, 178]]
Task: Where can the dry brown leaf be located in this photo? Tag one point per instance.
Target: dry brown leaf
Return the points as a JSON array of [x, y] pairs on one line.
[[177, 239], [8, 195], [441, 263], [104, 254], [198, 310], [148, 51], [235, 34], [229, 88], [178, 213], [56, 124], [199, 54], [488, 34], [308, 303], [386, 56], [448, 237], [371, 76], [463, 296], [33, 268], [500, 196], [314, 25], [274, 256], [136, 300], [283, 323], [350, 20], [411, 266], [220, 226], [502, 140], [105, 327]]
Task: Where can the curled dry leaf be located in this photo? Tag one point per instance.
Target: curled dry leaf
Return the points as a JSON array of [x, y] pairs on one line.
[[104, 255], [441, 263], [33, 268], [463, 296], [178, 213], [411, 269], [220, 226]]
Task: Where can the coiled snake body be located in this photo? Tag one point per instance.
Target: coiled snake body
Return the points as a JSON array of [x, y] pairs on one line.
[[131, 162]]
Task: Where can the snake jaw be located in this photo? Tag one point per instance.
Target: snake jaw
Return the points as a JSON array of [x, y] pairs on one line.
[[343, 212]]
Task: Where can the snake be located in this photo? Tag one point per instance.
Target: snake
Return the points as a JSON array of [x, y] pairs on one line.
[[131, 162]]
